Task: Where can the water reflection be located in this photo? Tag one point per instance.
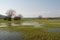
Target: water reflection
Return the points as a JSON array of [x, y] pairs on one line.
[[35, 24], [53, 30], [3, 25], [8, 24], [8, 35]]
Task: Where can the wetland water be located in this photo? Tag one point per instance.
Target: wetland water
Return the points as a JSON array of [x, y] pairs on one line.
[[34, 24], [52, 30], [8, 35]]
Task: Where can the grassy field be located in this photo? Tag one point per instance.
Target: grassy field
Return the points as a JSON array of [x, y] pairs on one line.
[[36, 33]]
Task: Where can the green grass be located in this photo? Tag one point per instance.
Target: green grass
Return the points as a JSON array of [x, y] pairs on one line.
[[46, 23], [51, 25], [13, 21]]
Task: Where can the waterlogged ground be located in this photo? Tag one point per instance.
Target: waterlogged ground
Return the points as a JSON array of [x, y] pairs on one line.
[[29, 24], [8, 30], [35, 30], [34, 24], [36, 33]]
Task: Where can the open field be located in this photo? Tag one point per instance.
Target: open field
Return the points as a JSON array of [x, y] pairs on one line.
[[31, 33]]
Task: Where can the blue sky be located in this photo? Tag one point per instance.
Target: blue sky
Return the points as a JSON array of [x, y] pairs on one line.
[[32, 8]]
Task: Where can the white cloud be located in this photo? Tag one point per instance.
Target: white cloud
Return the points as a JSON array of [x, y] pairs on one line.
[[3, 12]]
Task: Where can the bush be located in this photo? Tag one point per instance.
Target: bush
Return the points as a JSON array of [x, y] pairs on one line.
[[17, 18]]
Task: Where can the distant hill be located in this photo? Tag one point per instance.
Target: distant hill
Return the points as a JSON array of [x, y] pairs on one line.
[[2, 16]]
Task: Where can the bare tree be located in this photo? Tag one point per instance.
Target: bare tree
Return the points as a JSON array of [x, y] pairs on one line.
[[10, 13]]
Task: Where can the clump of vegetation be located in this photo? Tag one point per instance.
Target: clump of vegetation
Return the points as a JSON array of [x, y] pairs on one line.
[[10, 14], [19, 17]]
